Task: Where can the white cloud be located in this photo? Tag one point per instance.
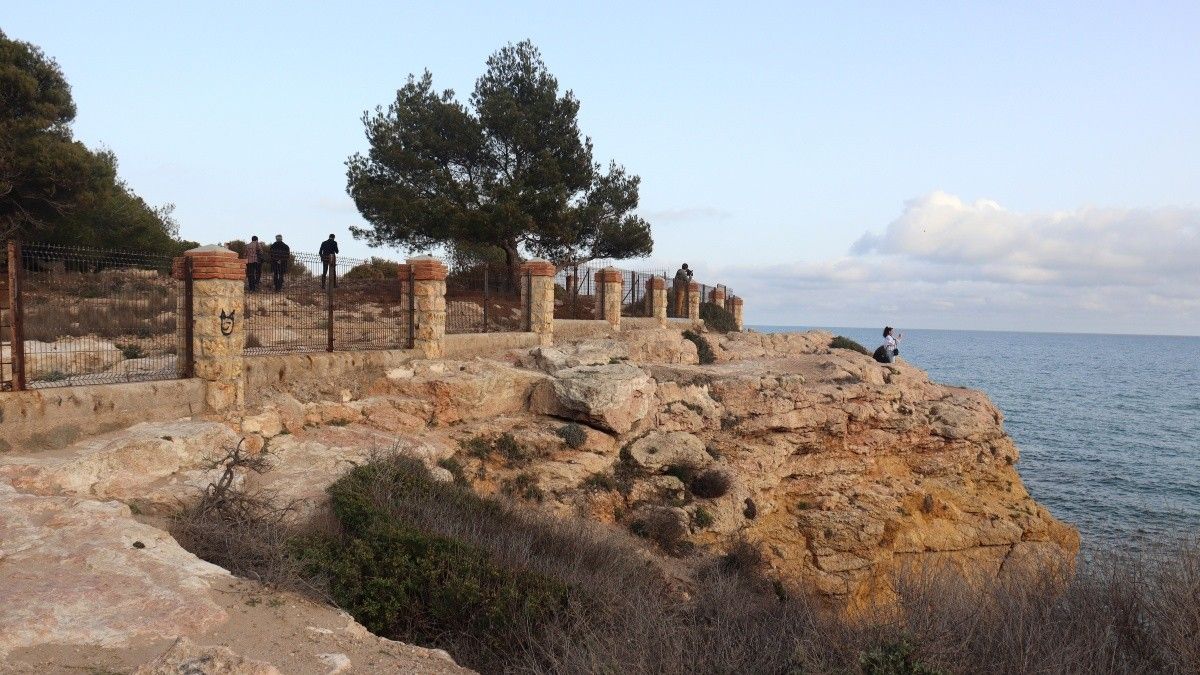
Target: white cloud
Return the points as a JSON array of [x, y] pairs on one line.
[[947, 263]]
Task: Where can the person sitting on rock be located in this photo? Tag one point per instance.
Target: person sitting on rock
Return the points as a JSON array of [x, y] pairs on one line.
[[890, 349]]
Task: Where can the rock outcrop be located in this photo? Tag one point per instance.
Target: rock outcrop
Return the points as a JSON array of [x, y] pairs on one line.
[[841, 469]]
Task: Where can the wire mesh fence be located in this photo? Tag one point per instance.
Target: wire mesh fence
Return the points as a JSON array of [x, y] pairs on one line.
[[310, 304], [577, 292], [91, 316], [484, 298]]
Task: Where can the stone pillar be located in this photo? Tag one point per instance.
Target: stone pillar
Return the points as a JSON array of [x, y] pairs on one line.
[[612, 284], [656, 288], [429, 297], [218, 323], [735, 306], [537, 277], [693, 310], [718, 296]]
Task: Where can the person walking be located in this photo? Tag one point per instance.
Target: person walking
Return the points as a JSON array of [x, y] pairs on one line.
[[280, 253], [328, 252], [683, 277], [254, 258], [890, 349]]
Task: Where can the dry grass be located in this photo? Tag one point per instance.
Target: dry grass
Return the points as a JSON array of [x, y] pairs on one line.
[[622, 614]]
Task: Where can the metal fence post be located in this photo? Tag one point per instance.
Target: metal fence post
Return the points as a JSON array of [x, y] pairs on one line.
[[528, 301], [330, 280], [486, 297], [16, 316], [189, 318], [412, 309]]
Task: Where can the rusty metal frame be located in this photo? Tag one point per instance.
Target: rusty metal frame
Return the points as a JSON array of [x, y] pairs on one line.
[[189, 317], [16, 313]]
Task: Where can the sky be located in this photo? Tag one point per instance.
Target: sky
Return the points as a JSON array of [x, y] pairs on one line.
[[1009, 166]]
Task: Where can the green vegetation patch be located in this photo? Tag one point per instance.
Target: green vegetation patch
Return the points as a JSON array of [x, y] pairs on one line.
[[717, 318], [842, 342], [703, 349]]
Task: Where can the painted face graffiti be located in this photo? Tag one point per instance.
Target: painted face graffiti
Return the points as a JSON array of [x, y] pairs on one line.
[[227, 322]]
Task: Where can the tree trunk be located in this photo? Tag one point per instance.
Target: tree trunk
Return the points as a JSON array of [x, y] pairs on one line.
[[512, 258]]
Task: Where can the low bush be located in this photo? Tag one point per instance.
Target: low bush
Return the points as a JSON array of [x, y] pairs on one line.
[[663, 527], [573, 435], [703, 348], [702, 518], [711, 484], [506, 590], [841, 342], [717, 318], [373, 270], [684, 471], [604, 482]]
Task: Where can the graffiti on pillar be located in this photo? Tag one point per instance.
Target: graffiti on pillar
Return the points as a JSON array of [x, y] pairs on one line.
[[227, 322]]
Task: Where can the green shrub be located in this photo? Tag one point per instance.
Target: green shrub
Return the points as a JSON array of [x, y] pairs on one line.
[[842, 342], [573, 435], [508, 447], [131, 351], [523, 486], [710, 484], [702, 518], [373, 270], [894, 658], [602, 481], [703, 348], [409, 584], [455, 468], [663, 527], [717, 318]]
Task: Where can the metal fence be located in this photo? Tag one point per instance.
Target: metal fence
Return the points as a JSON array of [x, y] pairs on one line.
[[577, 293], [484, 298], [76, 316], [307, 304]]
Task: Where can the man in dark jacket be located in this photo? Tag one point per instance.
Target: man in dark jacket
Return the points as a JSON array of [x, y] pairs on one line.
[[280, 253], [329, 251]]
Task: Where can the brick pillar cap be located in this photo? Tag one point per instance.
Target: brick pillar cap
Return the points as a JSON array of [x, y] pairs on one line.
[[538, 267], [736, 300], [210, 250], [657, 282], [610, 275], [427, 268], [693, 286]]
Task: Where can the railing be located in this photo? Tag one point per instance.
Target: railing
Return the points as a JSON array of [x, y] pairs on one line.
[[73, 316], [483, 298], [307, 304], [78, 316], [576, 292]]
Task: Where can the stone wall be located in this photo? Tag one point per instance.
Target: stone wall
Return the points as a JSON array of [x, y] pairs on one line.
[[49, 419], [537, 296], [566, 330], [462, 345], [319, 375]]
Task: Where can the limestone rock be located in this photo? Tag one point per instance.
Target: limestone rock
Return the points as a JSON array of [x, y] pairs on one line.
[[614, 397], [659, 450], [80, 572], [153, 463], [69, 356], [188, 658]]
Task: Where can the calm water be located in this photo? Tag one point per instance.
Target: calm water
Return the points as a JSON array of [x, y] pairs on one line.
[[1108, 425]]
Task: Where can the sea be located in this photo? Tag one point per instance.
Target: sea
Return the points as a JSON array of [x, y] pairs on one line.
[[1108, 426]]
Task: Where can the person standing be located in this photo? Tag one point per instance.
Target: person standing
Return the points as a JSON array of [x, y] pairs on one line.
[[328, 252], [280, 253], [683, 277], [254, 257]]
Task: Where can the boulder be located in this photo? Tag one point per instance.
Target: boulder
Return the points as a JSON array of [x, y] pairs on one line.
[[69, 356], [658, 450], [615, 397], [81, 572], [153, 463], [188, 658]]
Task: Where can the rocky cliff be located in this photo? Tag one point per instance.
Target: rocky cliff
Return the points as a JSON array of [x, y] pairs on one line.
[[840, 468]]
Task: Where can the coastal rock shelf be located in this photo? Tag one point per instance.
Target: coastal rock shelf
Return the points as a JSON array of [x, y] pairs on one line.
[[841, 469]]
